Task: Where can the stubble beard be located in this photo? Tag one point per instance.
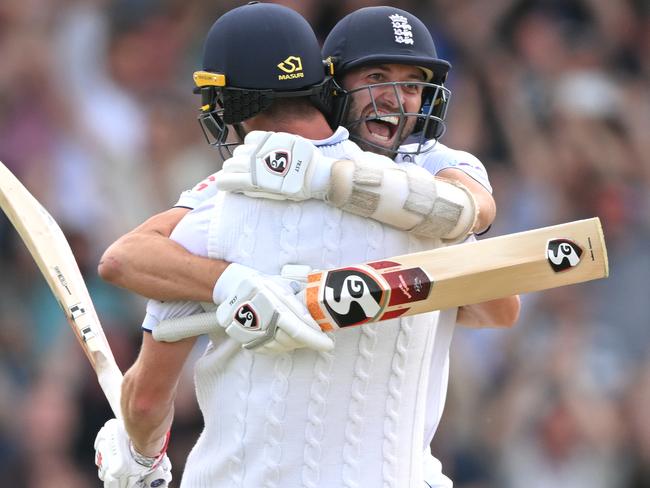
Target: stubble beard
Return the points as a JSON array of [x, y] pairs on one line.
[[354, 122]]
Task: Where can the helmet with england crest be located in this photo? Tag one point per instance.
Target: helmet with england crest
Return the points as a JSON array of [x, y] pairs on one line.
[[376, 36]]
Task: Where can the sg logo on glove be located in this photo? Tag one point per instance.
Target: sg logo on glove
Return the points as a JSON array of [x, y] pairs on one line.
[[247, 317], [278, 162]]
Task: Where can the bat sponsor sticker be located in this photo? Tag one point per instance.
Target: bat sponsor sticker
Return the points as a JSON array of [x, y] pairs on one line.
[[563, 254], [77, 310], [408, 286], [61, 277], [87, 333], [353, 296]]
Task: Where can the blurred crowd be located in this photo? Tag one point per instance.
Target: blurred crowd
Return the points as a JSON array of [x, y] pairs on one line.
[[98, 119]]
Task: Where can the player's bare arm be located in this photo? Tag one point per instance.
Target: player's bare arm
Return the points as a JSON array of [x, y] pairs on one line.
[[131, 452], [148, 392], [147, 262], [503, 312]]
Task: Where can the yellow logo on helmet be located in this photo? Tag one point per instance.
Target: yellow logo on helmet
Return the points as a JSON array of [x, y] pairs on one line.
[[293, 67]]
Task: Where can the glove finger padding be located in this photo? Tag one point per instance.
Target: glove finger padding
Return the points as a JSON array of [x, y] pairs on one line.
[[252, 142], [236, 165], [236, 172], [255, 139], [234, 182], [296, 273], [300, 325]]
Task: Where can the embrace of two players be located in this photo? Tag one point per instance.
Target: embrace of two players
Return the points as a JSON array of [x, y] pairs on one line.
[[284, 403]]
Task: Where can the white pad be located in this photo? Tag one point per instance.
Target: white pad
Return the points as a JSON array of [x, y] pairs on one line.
[[407, 197]]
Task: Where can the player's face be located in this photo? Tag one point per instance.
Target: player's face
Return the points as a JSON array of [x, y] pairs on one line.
[[373, 114]]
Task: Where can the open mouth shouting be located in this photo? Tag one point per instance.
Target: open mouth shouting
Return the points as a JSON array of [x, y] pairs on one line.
[[382, 128], [379, 129]]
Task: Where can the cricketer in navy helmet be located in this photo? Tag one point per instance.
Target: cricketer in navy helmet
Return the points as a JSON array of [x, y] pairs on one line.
[[371, 51]]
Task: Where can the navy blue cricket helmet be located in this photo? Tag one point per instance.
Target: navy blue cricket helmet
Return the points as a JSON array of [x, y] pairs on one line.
[[388, 35], [253, 55]]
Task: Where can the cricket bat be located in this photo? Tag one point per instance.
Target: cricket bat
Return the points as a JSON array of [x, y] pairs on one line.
[[51, 251], [442, 278]]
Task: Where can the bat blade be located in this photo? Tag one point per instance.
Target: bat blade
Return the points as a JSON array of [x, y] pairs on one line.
[[51, 252], [459, 275], [448, 277]]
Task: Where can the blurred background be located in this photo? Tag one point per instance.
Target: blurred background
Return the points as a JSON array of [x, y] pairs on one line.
[[97, 118]]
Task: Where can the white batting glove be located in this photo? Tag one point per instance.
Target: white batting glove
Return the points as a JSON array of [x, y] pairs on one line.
[[278, 166], [120, 466], [263, 312]]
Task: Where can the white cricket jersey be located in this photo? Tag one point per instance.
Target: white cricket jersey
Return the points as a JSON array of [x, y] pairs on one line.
[[333, 239], [442, 157]]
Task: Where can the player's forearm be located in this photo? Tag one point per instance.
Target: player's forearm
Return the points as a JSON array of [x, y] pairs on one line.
[[502, 312], [147, 418], [148, 393], [157, 267], [148, 428], [147, 262]]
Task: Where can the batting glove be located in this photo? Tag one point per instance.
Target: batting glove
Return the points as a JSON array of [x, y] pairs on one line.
[[278, 166], [264, 313], [119, 465]]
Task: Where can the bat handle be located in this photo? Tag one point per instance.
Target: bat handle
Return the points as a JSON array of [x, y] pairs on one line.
[[175, 329], [110, 381]]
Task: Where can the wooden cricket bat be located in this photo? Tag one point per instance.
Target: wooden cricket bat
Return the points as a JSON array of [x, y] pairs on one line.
[[458, 275], [51, 251], [448, 277]]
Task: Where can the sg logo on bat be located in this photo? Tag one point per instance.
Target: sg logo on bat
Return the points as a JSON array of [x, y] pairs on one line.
[[352, 296], [563, 254], [376, 291]]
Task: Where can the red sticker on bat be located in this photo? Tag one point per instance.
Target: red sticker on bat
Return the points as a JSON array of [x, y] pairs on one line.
[[408, 286], [383, 264]]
